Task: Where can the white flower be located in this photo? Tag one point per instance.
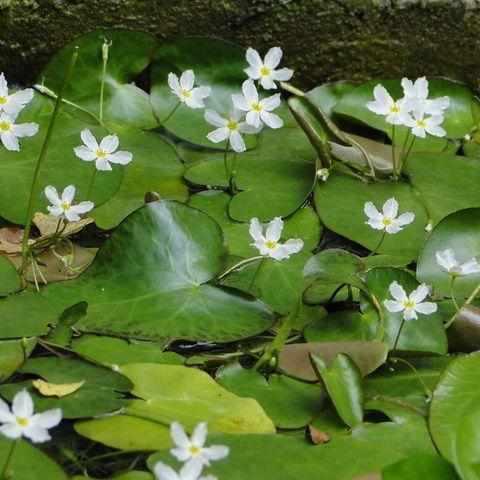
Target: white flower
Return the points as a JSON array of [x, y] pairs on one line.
[[409, 304], [103, 154], [394, 111], [323, 174], [190, 471], [269, 244], [388, 219], [22, 422], [259, 111], [467, 137], [184, 89], [12, 104], [422, 125], [264, 70], [62, 207], [417, 96], [429, 227], [192, 449], [229, 129], [10, 131], [446, 259]]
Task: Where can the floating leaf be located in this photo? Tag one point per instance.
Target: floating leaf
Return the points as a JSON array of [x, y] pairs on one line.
[[149, 281], [56, 389], [12, 355], [419, 467], [295, 358], [10, 281]]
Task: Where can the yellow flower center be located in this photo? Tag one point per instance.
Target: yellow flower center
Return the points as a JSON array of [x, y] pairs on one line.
[[421, 123], [194, 450], [3, 100], [257, 107], [232, 125], [22, 421], [387, 221], [409, 304], [185, 93], [65, 206], [265, 71], [394, 108], [271, 244], [5, 126], [100, 153]]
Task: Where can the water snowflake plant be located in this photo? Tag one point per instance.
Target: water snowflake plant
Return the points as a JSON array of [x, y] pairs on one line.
[[191, 242]]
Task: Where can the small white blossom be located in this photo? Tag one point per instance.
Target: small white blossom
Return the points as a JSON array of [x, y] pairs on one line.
[[268, 244], [467, 137], [63, 207], [21, 421], [411, 304], [446, 259], [193, 449], [10, 131], [229, 129], [259, 112], [103, 154], [429, 227], [265, 70], [421, 125], [323, 174], [416, 95], [185, 90], [388, 219], [394, 111], [12, 104], [190, 471]]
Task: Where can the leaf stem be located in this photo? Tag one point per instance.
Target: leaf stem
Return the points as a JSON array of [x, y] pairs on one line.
[[41, 158], [225, 162], [427, 391], [5, 471], [398, 335], [239, 265], [379, 244]]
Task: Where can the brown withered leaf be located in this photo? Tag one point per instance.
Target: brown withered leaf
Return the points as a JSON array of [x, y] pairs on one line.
[[317, 437], [294, 359], [464, 334], [11, 240], [47, 225]]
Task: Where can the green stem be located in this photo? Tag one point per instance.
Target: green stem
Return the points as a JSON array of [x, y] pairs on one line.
[[233, 173], [105, 48], [379, 244], [394, 160], [225, 162], [291, 89], [452, 292], [405, 143], [427, 391], [398, 335], [469, 300], [5, 471], [92, 182], [403, 160], [41, 157], [239, 265], [281, 338], [259, 266], [170, 115]]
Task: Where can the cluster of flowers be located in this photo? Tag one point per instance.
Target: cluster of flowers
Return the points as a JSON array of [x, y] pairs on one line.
[[250, 113], [390, 222], [192, 452], [415, 110]]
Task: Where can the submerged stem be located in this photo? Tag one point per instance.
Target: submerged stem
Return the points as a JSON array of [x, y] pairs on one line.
[[5, 470], [41, 157]]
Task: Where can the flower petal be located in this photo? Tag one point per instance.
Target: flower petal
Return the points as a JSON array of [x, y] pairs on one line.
[[240, 102], [253, 58], [213, 118], [85, 153], [219, 135], [420, 293], [283, 74], [273, 57], [55, 211], [187, 80], [18, 100], [405, 218], [11, 430], [37, 434], [179, 436], [217, 452], [271, 119], [372, 212], [390, 208], [274, 230], [103, 165], [393, 306], [446, 259], [191, 470], [397, 291], [88, 139], [253, 118], [421, 88], [82, 207], [174, 83], [237, 143], [3, 85], [164, 472], [427, 308], [52, 195], [68, 194], [267, 83], [470, 267], [5, 414], [22, 405], [109, 143], [272, 102], [25, 129], [199, 435], [121, 157], [48, 419], [10, 141], [255, 230], [293, 245]]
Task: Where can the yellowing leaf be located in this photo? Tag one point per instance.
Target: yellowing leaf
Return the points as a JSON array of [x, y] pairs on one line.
[[56, 389]]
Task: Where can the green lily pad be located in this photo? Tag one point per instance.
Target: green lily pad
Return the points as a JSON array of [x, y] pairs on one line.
[[9, 278], [343, 382], [155, 168], [29, 463], [112, 352], [221, 70], [455, 399], [100, 393], [419, 467], [274, 179], [60, 168], [12, 355], [327, 96], [129, 55], [288, 402], [446, 183], [368, 448], [460, 232], [426, 334], [149, 281], [340, 201]]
